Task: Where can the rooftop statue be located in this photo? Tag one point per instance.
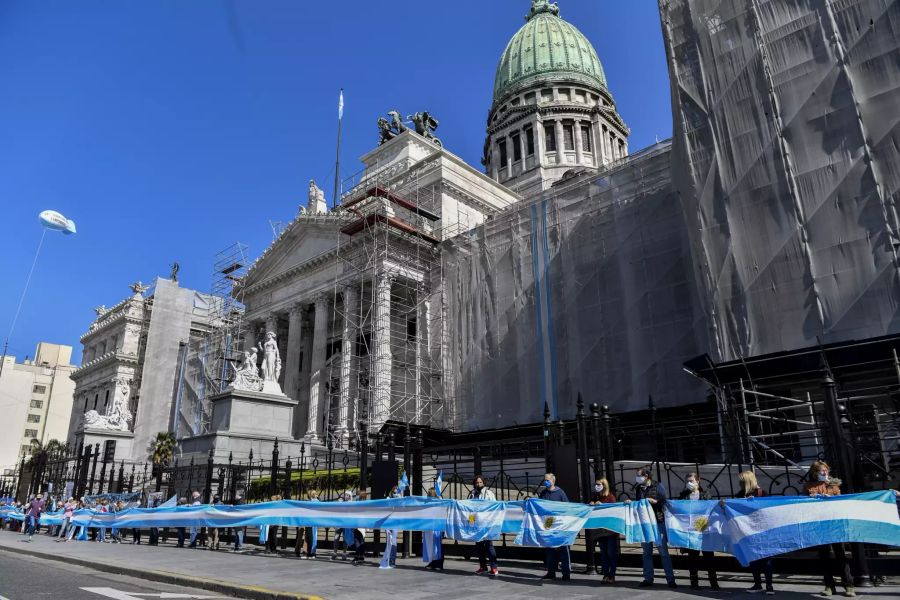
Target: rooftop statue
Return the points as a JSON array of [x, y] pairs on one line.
[[425, 126], [542, 6], [389, 129], [316, 202]]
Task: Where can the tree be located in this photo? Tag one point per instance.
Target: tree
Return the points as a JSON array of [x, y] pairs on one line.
[[52, 449], [162, 448]]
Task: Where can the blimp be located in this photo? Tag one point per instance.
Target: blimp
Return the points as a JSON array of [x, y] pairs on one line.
[[53, 220]]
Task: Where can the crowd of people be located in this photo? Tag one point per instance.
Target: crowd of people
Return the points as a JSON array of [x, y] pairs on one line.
[[603, 546]]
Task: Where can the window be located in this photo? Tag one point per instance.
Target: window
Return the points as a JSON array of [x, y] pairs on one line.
[[529, 98], [37, 404], [579, 95], [34, 418], [568, 136], [586, 142], [106, 400], [96, 397], [564, 94], [517, 147], [529, 140], [515, 102], [550, 138], [85, 403], [39, 389], [547, 95], [31, 433], [503, 157], [109, 450]]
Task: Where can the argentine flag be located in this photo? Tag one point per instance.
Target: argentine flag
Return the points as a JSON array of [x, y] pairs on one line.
[[431, 546], [439, 483], [475, 520], [551, 524], [697, 525], [404, 483]]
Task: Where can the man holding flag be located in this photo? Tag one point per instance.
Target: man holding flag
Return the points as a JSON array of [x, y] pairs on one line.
[[555, 556]]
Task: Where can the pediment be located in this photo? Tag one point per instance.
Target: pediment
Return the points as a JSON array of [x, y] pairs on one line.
[[302, 241]]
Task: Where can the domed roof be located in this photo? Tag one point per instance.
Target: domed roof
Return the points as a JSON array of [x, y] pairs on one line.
[[547, 47]]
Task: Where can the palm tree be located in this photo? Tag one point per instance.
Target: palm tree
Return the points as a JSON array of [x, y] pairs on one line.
[[162, 448], [52, 449]]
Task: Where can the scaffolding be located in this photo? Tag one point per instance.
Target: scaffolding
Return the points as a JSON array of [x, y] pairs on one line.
[[388, 251], [207, 358]]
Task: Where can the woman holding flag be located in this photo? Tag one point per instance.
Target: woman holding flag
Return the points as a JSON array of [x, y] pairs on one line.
[[820, 483], [694, 491], [487, 556]]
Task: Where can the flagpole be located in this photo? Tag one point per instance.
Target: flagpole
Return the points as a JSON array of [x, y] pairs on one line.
[[337, 161]]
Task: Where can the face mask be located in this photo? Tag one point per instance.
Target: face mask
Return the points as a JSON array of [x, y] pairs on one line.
[[598, 488], [692, 485], [639, 480], [823, 476], [547, 483], [479, 485]]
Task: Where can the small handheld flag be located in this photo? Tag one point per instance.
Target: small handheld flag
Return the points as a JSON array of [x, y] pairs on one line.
[[439, 483], [404, 483]]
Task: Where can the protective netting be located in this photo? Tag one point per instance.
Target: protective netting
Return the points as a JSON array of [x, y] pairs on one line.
[[787, 162], [585, 289]]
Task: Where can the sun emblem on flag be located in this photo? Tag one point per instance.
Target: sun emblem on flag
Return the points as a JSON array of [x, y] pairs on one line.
[[548, 522], [701, 524], [471, 518]]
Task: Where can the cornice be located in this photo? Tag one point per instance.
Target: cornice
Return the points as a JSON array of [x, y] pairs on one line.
[[520, 113], [102, 361]]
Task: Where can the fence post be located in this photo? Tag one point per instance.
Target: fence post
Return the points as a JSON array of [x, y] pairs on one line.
[[286, 491], [121, 486], [207, 492], [548, 440], [231, 481], [363, 456], [609, 457], [93, 469], [596, 440], [302, 461], [652, 407], [584, 471], [131, 480], [476, 461], [273, 472], [21, 475]]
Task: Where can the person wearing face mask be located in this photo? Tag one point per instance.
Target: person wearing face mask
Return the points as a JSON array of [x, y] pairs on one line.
[[607, 540], [694, 491], [487, 555], [655, 493], [555, 556], [831, 556]]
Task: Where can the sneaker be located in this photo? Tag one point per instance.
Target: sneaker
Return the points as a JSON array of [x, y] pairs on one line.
[[827, 591], [480, 571], [549, 576], [757, 588], [770, 591], [850, 592], [696, 586], [494, 571], [673, 585], [645, 584]]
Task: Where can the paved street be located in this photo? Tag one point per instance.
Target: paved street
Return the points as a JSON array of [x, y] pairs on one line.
[[339, 580], [27, 578]]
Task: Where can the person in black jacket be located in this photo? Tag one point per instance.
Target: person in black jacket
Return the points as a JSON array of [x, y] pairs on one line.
[[694, 491], [554, 557]]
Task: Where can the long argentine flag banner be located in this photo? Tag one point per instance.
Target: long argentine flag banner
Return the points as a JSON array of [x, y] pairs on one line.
[[756, 528]]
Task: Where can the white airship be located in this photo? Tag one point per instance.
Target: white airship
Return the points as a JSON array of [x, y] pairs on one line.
[[53, 220]]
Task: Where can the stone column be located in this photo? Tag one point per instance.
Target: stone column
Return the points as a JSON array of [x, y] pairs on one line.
[[579, 147], [423, 317], [348, 341], [317, 370], [381, 396], [539, 142], [560, 142], [294, 348], [598, 142], [495, 160], [509, 155]]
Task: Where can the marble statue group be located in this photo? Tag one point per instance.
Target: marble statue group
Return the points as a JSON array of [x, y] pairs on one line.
[[250, 375]]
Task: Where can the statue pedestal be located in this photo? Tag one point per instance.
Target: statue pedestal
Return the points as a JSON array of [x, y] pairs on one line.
[[244, 420], [249, 412], [91, 436]]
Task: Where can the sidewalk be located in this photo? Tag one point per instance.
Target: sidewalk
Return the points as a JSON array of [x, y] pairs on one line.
[[256, 575]]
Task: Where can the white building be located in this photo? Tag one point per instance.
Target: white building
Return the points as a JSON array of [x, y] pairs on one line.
[[35, 401]]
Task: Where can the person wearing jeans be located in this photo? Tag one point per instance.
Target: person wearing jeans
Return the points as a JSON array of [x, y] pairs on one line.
[[655, 493], [487, 555], [33, 515]]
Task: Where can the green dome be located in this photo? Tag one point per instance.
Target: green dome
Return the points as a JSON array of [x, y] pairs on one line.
[[547, 47]]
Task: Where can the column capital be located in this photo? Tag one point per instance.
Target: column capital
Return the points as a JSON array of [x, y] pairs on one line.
[[297, 309], [322, 298]]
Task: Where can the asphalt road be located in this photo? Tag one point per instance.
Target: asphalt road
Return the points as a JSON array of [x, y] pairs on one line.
[[27, 578]]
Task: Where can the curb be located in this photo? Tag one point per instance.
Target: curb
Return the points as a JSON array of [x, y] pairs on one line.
[[250, 592]]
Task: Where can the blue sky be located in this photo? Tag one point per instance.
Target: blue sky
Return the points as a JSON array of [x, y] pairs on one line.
[[170, 129]]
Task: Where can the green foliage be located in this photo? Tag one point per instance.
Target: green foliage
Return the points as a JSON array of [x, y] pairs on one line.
[[162, 448], [311, 480]]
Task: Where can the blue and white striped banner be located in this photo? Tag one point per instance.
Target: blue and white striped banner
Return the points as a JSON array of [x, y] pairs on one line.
[[475, 520], [552, 524], [757, 528]]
